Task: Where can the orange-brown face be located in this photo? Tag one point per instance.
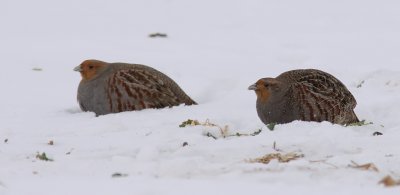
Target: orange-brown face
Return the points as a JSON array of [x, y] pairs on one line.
[[264, 88], [90, 68]]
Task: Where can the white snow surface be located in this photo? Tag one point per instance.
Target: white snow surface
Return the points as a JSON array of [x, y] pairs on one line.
[[214, 50]]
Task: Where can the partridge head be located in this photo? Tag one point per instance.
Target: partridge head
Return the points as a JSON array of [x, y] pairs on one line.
[[89, 69]]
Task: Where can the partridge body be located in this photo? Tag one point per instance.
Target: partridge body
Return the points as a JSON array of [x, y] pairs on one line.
[[307, 95], [116, 87]]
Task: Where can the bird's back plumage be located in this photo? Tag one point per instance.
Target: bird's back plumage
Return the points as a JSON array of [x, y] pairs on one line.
[[320, 96], [309, 95], [125, 87]]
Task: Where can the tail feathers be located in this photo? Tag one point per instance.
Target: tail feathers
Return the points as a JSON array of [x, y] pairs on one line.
[[355, 118], [352, 120], [190, 102]]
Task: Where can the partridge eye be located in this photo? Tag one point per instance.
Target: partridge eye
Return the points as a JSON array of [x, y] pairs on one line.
[[266, 84], [91, 67]]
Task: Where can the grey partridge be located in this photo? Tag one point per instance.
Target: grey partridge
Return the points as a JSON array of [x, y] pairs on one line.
[[305, 94], [116, 87]]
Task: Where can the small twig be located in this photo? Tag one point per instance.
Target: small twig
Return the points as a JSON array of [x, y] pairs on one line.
[[360, 84], [69, 152], [117, 175], [368, 166], [43, 157], [256, 132], [324, 162], [275, 148], [208, 134], [282, 158], [161, 35], [360, 123]]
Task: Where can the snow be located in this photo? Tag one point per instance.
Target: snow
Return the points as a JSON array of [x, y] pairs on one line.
[[214, 50]]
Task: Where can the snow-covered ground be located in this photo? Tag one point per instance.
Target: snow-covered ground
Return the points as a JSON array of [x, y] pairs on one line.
[[214, 50]]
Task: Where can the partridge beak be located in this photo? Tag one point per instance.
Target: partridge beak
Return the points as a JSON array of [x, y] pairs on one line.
[[252, 87], [78, 68]]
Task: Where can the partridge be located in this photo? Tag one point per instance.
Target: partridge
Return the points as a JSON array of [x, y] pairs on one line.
[[307, 95], [116, 87]]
